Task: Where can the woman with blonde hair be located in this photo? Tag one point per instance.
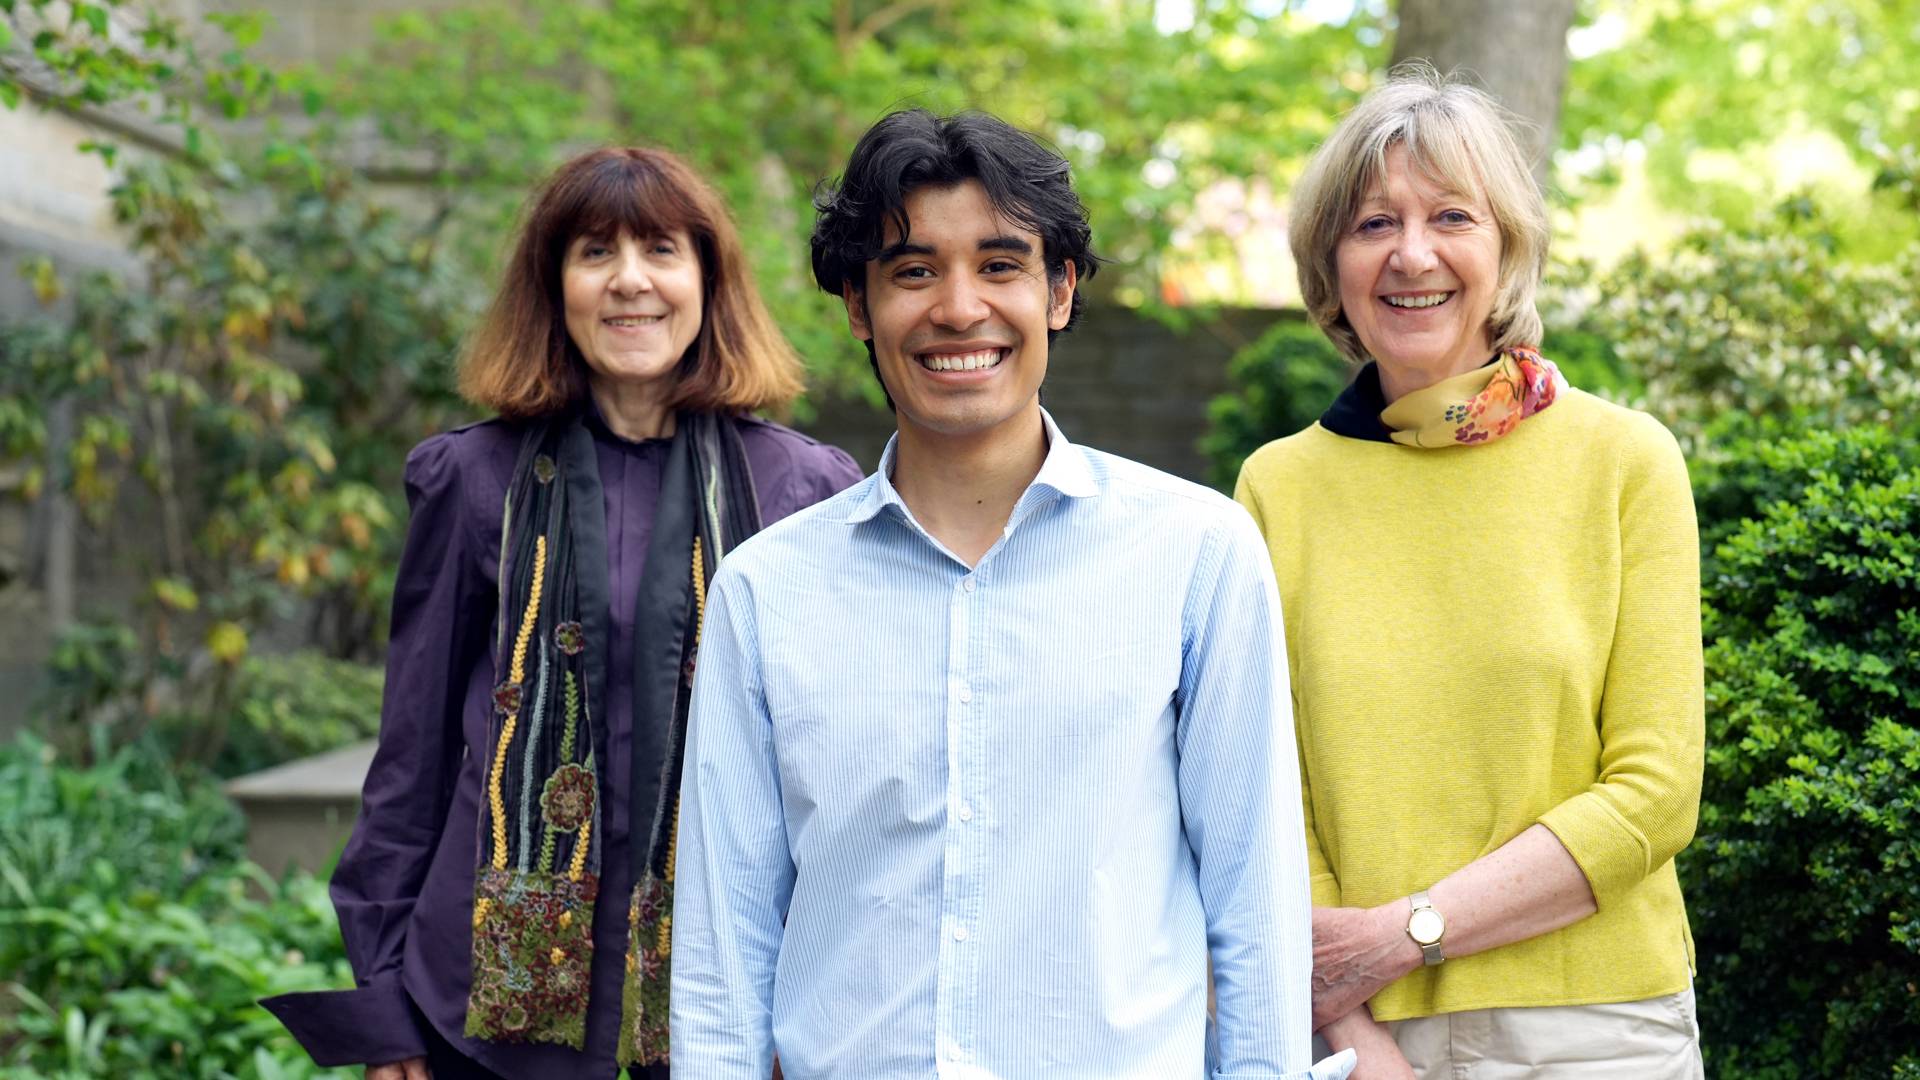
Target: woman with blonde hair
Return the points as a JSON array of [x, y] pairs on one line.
[[1491, 591], [505, 896]]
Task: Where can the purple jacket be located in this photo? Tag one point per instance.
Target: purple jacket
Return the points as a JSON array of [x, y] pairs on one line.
[[404, 884]]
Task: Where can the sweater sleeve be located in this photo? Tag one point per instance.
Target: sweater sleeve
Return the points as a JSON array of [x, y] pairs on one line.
[[1642, 808], [438, 631], [1325, 886]]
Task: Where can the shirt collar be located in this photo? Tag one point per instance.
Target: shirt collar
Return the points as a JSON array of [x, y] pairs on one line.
[[1064, 470]]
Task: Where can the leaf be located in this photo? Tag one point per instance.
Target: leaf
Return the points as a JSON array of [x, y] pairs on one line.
[[227, 642], [95, 16], [175, 593], [9, 93]]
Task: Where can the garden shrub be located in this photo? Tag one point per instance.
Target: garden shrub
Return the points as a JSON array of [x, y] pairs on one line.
[[1280, 383], [292, 706], [1803, 880], [134, 940], [1768, 321]]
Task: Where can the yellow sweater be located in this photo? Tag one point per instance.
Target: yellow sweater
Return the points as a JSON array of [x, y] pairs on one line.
[[1486, 637]]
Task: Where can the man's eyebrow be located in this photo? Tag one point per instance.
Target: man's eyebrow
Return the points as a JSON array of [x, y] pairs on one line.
[[901, 250], [1015, 244]]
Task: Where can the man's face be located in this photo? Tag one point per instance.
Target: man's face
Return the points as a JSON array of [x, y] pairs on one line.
[[958, 312]]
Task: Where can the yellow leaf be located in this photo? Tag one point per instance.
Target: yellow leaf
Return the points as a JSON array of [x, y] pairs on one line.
[[175, 593], [227, 641]]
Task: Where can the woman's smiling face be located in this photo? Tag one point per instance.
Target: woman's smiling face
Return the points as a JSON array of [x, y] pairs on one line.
[[633, 305], [1418, 268]]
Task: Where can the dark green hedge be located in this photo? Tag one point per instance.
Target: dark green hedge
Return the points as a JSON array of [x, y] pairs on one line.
[[1804, 883]]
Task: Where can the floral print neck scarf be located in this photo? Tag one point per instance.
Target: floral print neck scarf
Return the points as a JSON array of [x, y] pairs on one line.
[[1477, 406]]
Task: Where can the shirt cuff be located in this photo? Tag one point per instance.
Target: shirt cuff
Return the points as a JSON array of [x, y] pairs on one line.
[[1330, 1068], [372, 1025]]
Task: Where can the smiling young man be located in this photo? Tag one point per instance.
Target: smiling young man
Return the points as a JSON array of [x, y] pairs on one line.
[[991, 754]]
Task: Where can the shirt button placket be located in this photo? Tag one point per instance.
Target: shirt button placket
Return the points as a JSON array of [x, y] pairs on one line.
[[954, 1032]]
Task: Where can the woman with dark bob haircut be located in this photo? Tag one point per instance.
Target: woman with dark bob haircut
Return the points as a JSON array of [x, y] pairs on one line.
[[505, 897]]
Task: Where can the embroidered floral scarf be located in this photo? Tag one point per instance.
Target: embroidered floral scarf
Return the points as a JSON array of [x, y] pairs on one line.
[[1476, 406], [540, 824]]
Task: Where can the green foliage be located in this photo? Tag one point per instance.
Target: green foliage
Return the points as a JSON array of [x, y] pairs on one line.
[[1767, 321], [767, 98], [1280, 383], [129, 824], [250, 392], [1802, 881], [133, 940], [1708, 89], [290, 707]]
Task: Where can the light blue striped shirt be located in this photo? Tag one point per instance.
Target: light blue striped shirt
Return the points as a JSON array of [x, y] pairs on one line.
[[993, 821]]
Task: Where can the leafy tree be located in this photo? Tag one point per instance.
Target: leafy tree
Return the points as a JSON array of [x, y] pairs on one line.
[[249, 393], [1689, 80], [767, 99]]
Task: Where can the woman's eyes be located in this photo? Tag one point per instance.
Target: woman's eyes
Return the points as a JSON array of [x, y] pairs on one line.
[[597, 249], [1380, 222]]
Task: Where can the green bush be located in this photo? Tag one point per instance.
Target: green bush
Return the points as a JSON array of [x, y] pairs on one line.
[[292, 706], [1767, 321], [127, 825], [1803, 881], [134, 940], [1281, 383]]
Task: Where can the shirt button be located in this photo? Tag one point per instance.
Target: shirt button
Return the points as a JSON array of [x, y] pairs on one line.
[[967, 584], [955, 1053], [966, 812], [959, 933], [966, 693]]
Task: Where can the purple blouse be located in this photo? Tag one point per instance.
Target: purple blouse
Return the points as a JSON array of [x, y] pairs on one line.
[[404, 883]]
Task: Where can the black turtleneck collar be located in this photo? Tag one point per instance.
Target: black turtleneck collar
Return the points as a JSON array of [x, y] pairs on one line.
[[1356, 412]]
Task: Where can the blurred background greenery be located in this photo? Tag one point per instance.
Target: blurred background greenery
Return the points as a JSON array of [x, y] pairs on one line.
[[212, 416]]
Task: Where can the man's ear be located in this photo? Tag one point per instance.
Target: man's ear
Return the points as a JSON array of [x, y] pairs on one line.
[[1060, 297], [856, 312]]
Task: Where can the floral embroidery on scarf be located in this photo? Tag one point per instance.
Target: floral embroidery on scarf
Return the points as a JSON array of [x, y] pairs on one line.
[[535, 934], [567, 798], [644, 1004]]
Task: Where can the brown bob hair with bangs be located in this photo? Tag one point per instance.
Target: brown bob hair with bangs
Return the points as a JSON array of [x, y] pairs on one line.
[[520, 361]]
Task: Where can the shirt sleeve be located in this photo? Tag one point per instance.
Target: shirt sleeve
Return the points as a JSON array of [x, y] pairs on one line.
[[439, 629], [1643, 807], [734, 871], [1239, 804], [1321, 880]]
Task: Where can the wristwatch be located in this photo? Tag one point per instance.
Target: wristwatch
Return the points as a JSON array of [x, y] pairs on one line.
[[1426, 926]]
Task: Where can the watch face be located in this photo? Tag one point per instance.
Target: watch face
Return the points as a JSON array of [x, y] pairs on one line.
[[1426, 926]]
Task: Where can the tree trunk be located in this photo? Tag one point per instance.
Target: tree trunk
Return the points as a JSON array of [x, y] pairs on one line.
[[1516, 52]]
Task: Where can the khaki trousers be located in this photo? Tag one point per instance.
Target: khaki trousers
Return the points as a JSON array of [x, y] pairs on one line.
[[1654, 1039]]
